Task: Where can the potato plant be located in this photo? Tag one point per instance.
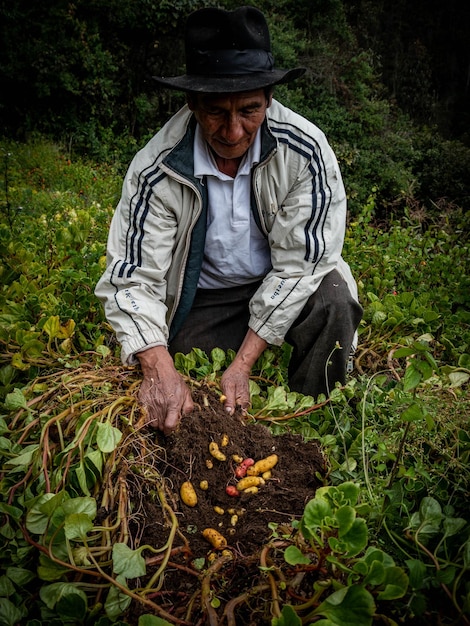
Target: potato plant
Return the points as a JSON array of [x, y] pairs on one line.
[[390, 528]]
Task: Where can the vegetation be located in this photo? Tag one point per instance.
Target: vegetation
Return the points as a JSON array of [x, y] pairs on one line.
[[397, 432], [392, 521]]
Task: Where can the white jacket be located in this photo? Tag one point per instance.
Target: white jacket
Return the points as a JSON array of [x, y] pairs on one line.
[[156, 238]]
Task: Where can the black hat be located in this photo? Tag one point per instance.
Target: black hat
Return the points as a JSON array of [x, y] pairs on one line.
[[227, 52]]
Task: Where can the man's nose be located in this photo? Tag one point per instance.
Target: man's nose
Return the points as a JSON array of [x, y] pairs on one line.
[[233, 129]]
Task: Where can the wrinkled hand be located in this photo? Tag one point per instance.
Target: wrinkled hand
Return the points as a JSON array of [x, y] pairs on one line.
[[235, 382], [235, 385], [163, 392]]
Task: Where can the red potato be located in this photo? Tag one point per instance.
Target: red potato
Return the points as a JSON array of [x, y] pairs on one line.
[[231, 490], [240, 471]]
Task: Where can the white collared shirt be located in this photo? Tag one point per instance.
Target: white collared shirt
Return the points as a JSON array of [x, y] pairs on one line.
[[236, 252]]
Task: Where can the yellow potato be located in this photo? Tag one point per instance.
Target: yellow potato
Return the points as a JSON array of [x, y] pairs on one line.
[[187, 493], [217, 541], [215, 452], [204, 485], [224, 441], [263, 465], [249, 481]]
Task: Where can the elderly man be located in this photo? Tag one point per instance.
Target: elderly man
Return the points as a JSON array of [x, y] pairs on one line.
[[230, 229]]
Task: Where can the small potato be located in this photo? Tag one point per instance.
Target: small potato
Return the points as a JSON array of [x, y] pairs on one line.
[[209, 464], [251, 490], [267, 475], [217, 541], [242, 469], [187, 493], [249, 481], [234, 520], [219, 510], [237, 458], [232, 491], [204, 485], [224, 441], [215, 452]]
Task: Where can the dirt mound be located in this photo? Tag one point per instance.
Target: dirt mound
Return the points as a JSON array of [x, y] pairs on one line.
[[185, 593]]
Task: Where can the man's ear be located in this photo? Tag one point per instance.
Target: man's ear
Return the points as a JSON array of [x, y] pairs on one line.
[[191, 100]]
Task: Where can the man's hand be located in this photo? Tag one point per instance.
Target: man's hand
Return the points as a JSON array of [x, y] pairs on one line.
[[163, 392], [235, 382]]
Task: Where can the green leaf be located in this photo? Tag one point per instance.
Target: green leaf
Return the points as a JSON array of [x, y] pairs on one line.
[[117, 601], [314, 515], [288, 617], [376, 575], [349, 492], [128, 562], [108, 437], [36, 519], [25, 458], [77, 526], [453, 525], [10, 615], [345, 516], [458, 379], [417, 571], [32, 348], [15, 400], [49, 570], [412, 377], [350, 606], [54, 593], [52, 326], [86, 505], [7, 588], [19, 575], [413, 413], [395, 584], [294, 556], [355, 540]]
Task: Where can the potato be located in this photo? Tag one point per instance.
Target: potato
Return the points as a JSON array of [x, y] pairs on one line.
[[204, 485], [263, 465], [217, 541], [215, 452], [231, 490], [219, 510], [187, 493], [241, 470], [249, 481], [224, 441]]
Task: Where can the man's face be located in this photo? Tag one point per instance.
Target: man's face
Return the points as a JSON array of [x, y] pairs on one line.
[[229, 122]]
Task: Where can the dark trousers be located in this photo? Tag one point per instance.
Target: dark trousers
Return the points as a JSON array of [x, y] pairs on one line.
[[219, 319]]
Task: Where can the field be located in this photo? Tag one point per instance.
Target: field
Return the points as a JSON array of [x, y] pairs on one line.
[[364, 519]]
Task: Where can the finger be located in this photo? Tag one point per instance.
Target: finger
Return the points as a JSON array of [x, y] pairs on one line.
[[188, 405], [171, 422]]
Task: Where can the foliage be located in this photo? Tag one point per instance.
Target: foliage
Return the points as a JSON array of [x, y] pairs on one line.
[[391, 526]]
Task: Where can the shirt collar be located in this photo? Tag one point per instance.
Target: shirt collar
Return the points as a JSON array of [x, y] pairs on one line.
[[204, 162]]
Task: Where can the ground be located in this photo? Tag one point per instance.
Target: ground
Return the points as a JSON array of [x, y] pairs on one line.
[[191, 591]]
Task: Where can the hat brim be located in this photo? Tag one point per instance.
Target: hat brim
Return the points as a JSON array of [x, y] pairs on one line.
[[229, 84]]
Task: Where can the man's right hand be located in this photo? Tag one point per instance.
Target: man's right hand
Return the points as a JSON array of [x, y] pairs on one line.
[[163, 392]]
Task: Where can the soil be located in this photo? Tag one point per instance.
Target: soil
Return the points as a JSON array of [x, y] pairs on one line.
[[263, 518]]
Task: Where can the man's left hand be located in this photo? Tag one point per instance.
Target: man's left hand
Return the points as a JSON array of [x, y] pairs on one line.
[[235, 382]]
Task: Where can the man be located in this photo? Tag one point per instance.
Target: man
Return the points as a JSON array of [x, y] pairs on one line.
[[230, 228]]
